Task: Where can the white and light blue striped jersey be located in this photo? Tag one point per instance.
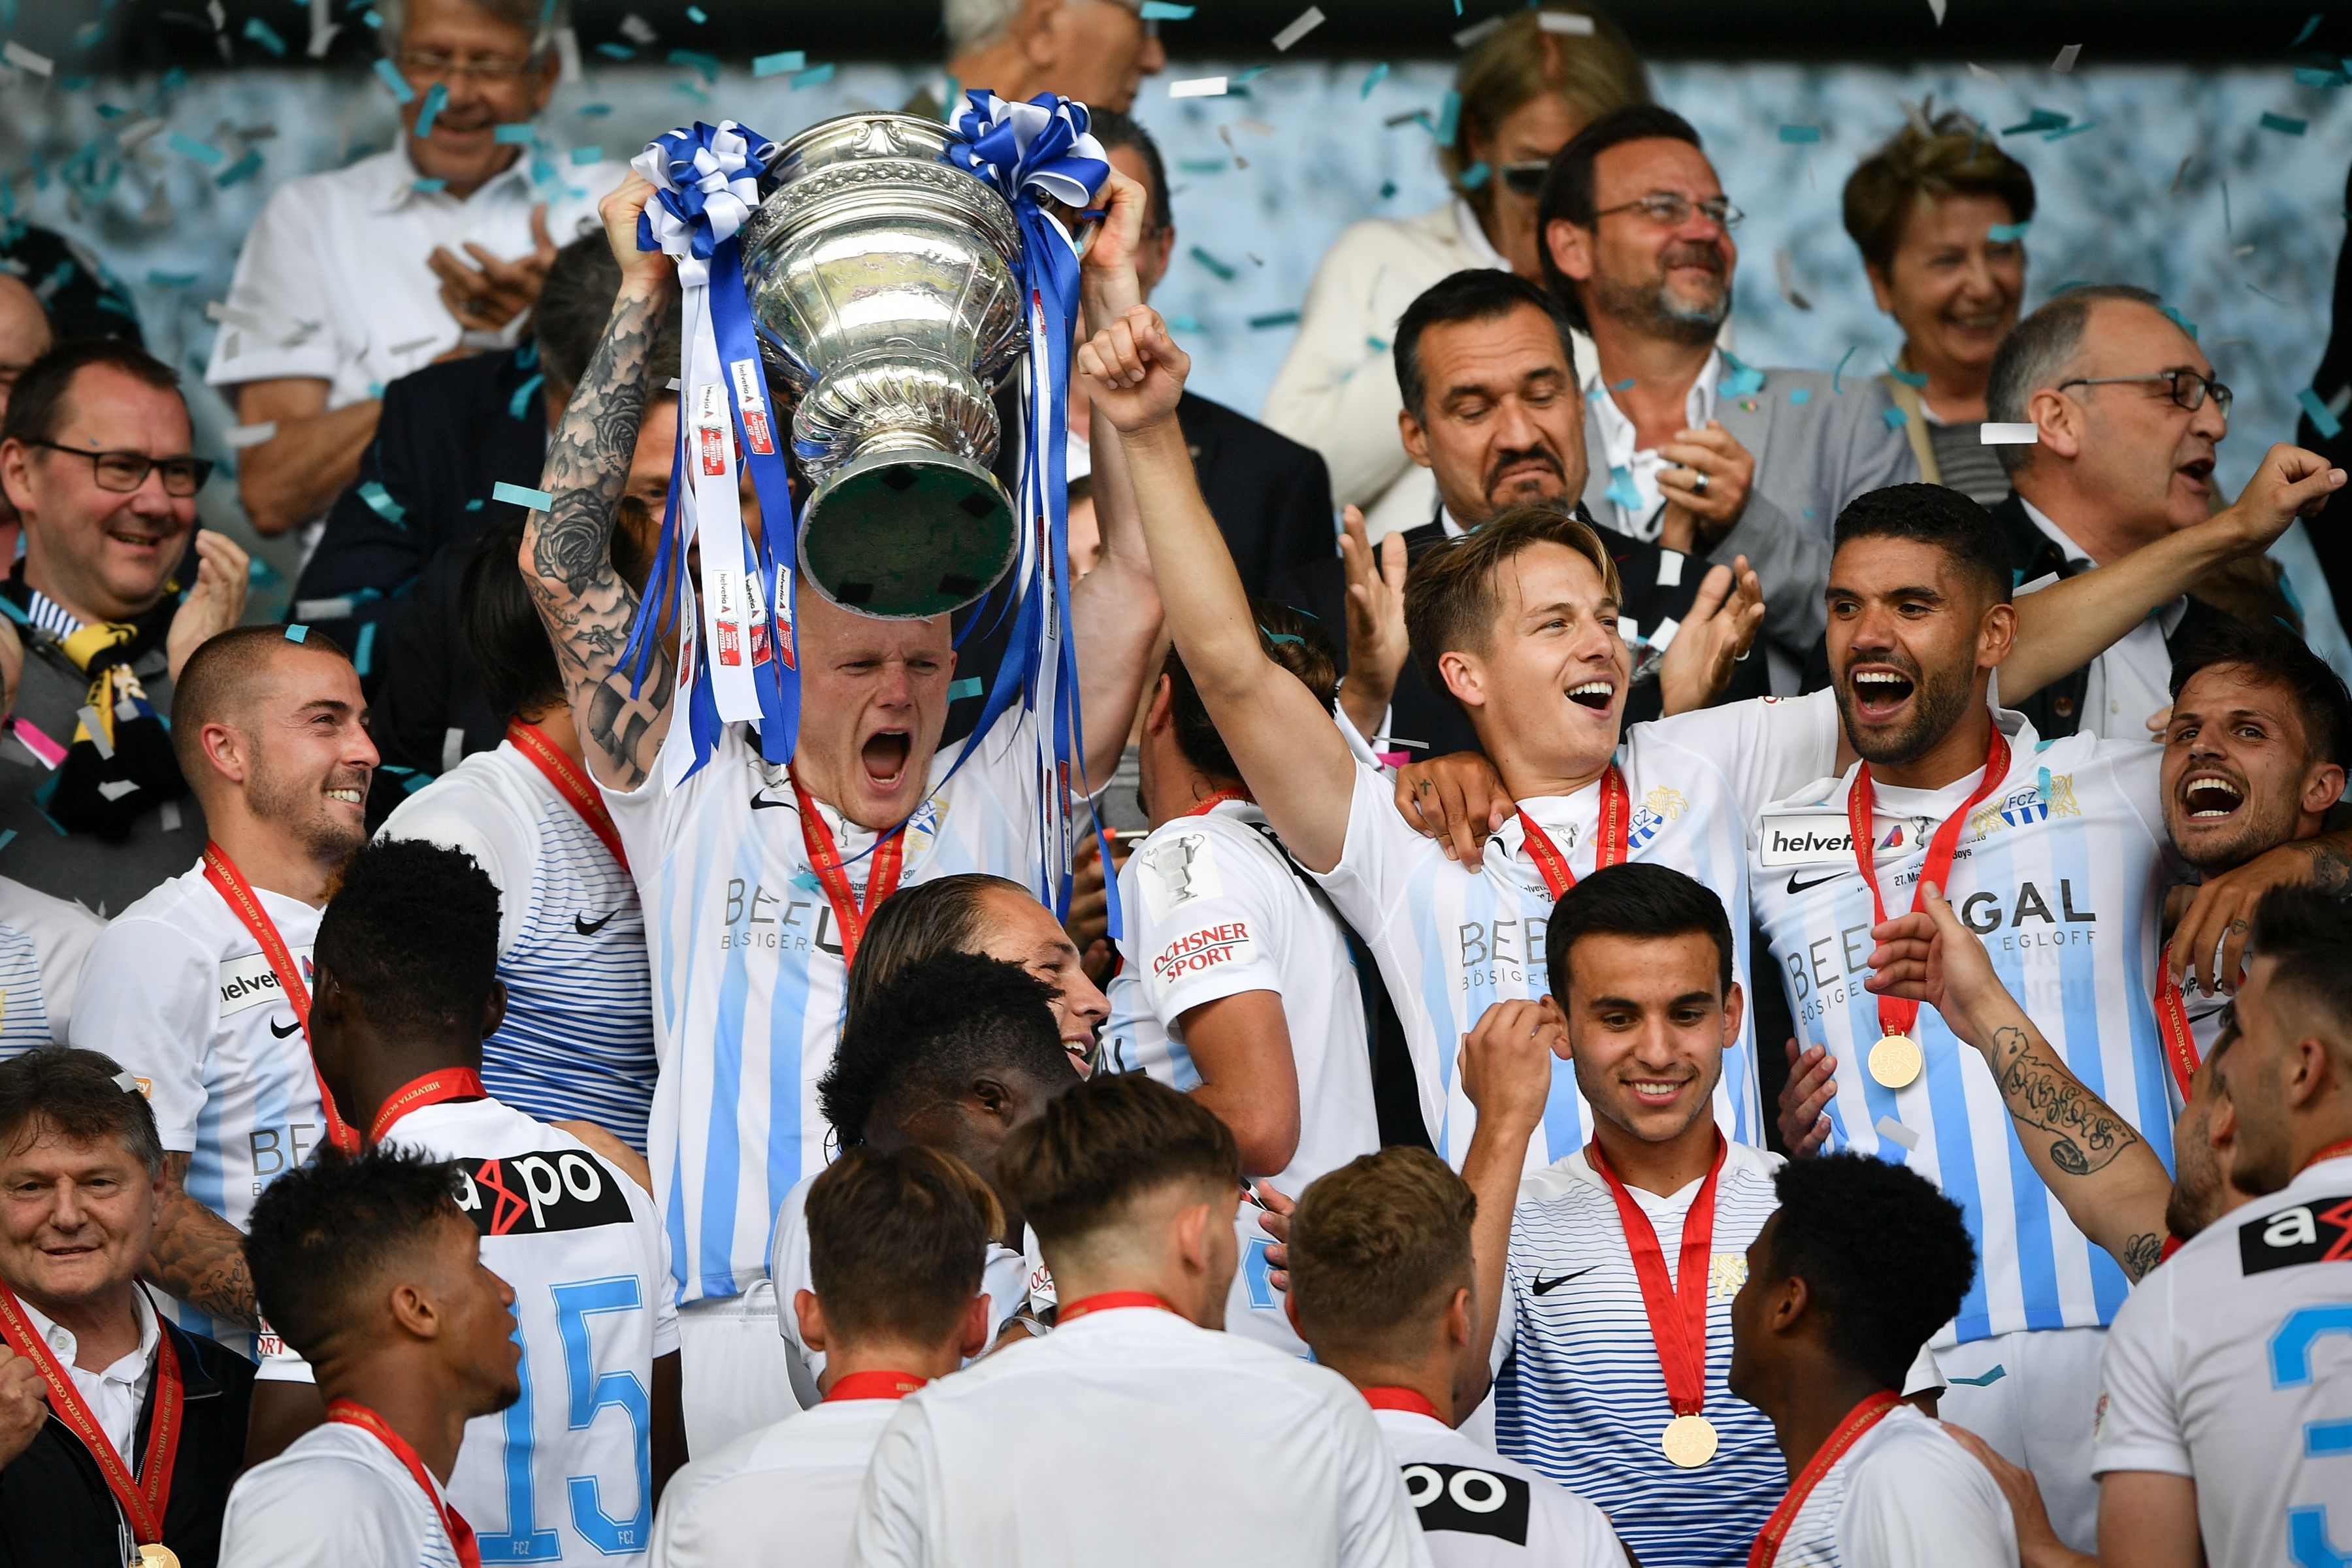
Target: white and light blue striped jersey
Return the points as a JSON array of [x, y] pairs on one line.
[[1905, 1495], [180, 994], [44, 942], [1214, 908], [336, 1495], [1452, 943], [1581, 1395], [748, 983], [2231, 1365], [2060, 870], [578, 1038]]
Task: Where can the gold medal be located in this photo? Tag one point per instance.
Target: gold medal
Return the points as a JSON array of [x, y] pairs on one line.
[[1895, 1060], [1689, 1441], [155, 1554]]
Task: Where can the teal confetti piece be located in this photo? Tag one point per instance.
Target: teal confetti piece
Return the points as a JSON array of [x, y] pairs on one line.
[[1163, 11], [474, 505], [583, 156], [427, 185], [1202, 165], [697, 14], [1622, 493], [2308, 28], [1224, 273], [2326, 424], [2283, 125], [1835, 389], [2008, 233], [1917, 378], [1374, 77], [1625, 385], [170, 280], [110, 111], [1745, 380], [1283, 638], [75, 83], [1449, 119], [522, 496], [2038, 120], [260, 572], [2178, 320], [395, 83], [2318, 76], [515, 134], [1895, 419], [298, 632], [2066, 131], [594, 110], [268, 37], [1794, 135], [522, 398], [778, 64], [815, 76], [1388, 189], [613, 51], [2042, 786], [1476, 176], [364, 650], [380, 501], [1243, 78], [88, 33], [7, 837], [1799, 396], [371, 19], [1987, 1381], [244, 168], [969, 686], [687, 89], [1378, 345], [1182, 323], [1274, 319], [435, 96], [708, 65], [187, 146]]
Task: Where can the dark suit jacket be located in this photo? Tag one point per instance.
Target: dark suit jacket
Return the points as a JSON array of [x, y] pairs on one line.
[[447, 434], [56, 1512], [1418, 714], [1271, 496]]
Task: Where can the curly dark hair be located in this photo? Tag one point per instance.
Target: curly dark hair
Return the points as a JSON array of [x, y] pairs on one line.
[[1885, 1256], [920, 1039], [322, 1235]]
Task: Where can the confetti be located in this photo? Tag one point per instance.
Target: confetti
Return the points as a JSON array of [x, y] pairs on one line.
[[970, 686], [707, 65], [636, 28], [1374, 77], [2323, 419], [1224, 272], [268, 37], [522, 398], [244, 168], [380, 501], [1895, 419], [230, 316], [363, 652], [1744, 381], [1475, 176], [22, 59], [613, 51], [1799, 396], [1911, 378], [2008, 233], [2173, 315], [1894, 1131], [2283, 125], [514, 133], [1165, 11], [1306, 22], [1991, 435], [778, 64], [1197, 86], [435, 96], [2317, 76], [2039, 120], [815, 76], [1935, 7], [388, 74], [298, 632], [2308, 28], [697, 14], [1836, 389], [1982, 74], [1274, 319], [1565, 22], [1449, 119], [1475, 34], [1784, 266], [170, 280], [2066, 57], [1797, 133], [187, 146], [2064, 132], [1201, 165], [427, 186], [594, 110], [567, 56], [583, 156], [522, 496]]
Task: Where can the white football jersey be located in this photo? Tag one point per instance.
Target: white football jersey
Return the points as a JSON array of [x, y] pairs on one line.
[[44, 942], [748, 983], [565, 1474], [1451, 943], [2231, 1364], [1478, 1509], [578, 1038], [1213, 908], [790, 1488], [2060, 869], [184, 999], [1905, 1495], [336, 1497]]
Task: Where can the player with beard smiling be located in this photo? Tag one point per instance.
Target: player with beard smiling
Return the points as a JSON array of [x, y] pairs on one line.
[[203, 987], [2048, 850]]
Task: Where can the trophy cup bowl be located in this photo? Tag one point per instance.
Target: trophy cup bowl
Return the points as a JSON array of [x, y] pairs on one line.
[[882, 281]]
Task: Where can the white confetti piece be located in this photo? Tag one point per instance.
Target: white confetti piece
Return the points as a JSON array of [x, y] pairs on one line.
[[1308, 20], [1894, 1131], [230, 316], [2066, 57], [412, 345], [115, 789], [567, 54], [1197, 86], [1982, 74], [1470, 37], [324, 609], [1936, 8], [243, 436], [1567, 22], [167, 816], [22, 59], [94, 721], [636, 29], [1670, 568], [2009, 435], [1662, 635]]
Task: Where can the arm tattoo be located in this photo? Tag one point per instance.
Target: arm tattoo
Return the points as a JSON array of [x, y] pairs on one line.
[[2142, 1253], [2042, 1093], [2331, 870], [196, 1254], [586, 605]]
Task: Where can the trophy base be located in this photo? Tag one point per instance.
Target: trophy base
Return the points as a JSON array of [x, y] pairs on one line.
[[904, 535]]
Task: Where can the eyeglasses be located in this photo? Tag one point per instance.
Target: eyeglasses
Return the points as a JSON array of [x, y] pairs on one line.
[[1526, 179], [1673, 211], [124, 472], [2189, 389], [416, 63]]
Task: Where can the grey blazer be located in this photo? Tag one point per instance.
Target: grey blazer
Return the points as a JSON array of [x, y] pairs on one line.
[[1816, 448]]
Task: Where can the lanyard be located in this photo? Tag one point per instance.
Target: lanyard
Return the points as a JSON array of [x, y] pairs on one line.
[[1677, 1307], [350, 1412], [230, 883], [142, 1499], [825, 856], [1858, 1420], [1896, 1015], [1616, 824], [569, 780], [1216, 800], [873, 1386], [440, 1084], [2172, 1023], [1070, 1312], [1400, 1399]]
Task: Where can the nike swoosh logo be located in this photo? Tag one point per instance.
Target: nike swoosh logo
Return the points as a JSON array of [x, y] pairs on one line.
[[1796, 886], [586, 928], [288, 1029], [761, 802], [1546, 1287]]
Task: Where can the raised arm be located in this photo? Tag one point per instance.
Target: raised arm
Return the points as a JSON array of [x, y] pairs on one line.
[[2063, 627], [1289, 750], [567, 550], [1506, 1070], [2104, 1173]]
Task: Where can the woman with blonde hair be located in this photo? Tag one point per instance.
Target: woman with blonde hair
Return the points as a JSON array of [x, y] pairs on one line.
[[1524, 90]]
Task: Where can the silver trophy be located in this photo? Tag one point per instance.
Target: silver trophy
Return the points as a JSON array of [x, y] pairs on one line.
[[882, 281]]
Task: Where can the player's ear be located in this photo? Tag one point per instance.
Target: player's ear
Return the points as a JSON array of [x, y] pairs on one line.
[[809, 1316], [1734, 1007], [1463, 677], [1788, 1299], [1290, 1312], [1190, 1227], [415, 1312], [1996, 635], [1161, 711], [494, 1010], [977, 1318], [2322, 786], [1461, 1314]]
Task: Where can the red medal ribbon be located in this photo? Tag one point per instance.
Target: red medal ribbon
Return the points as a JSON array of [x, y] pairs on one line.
[[439, 1085], [142, 1499], [1896, 1015], [1677, 1307], [824, 856], [873, 1386], [1218, 799], [352, 1413], [2172, 1023], [1400, 1399], [1616, 826], [2340, 1147], [230, 883], [1858, 1420], [1104, 1301], [570, 781]]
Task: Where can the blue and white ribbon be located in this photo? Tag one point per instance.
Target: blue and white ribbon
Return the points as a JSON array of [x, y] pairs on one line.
[[1033, 152], [707, 181]]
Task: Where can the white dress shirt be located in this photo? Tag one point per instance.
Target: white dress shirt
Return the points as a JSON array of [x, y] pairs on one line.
[[2133, 678], [1641, 467], [114, 1392]]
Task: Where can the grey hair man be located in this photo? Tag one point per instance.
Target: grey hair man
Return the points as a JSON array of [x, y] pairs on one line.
[[1096, 51]]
